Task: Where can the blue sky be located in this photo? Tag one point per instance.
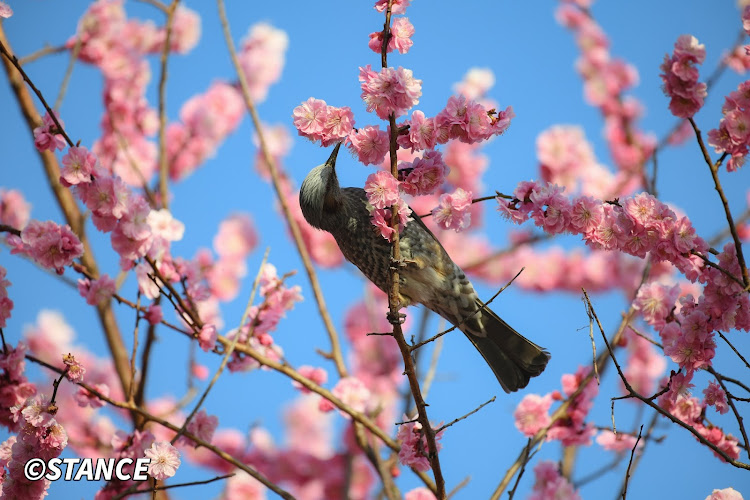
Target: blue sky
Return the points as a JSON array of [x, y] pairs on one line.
[[532, 58]]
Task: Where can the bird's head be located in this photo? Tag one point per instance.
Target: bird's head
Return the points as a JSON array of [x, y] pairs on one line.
[[320, 195]]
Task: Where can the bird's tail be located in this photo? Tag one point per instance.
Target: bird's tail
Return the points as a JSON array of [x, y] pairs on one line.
[[513, 358]]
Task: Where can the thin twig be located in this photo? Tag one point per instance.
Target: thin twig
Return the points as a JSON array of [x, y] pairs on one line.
[[163, 166], [228, 352], [472, 412], [132, 390], [630, 463], [180, 485], [734, 349], [68, 72], [44, 51], [458, 325], [526, 457]]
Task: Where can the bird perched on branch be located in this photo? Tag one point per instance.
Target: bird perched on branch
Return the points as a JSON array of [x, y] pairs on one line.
[[428, 275]]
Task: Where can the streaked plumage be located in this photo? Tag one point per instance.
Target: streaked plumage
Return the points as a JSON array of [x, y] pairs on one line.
[[429, 277]]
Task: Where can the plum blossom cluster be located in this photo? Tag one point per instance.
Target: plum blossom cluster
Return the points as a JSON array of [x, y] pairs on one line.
[[414, 445], [549, 484], [531, 415], [39, 435], [16, 389], [680, 77], [732, 137], [567, 159], [606, 79], [462, 118], [309, 442], [317, 121], [98, 291], [48, 244], [679, 401], [353, 393], [118, 46], [264, 318], [453, 210], [262, 57], [234, 241], [206, 120]]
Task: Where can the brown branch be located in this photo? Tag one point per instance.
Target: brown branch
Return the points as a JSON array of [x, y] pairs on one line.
[[180, 485], [630, 463], [733, 348], [714, 168], [472, 412], [44, 51], [526, 458], [335, 353], [394, 297], [131, 391], [737, 416], [68, 72], [163, 166]]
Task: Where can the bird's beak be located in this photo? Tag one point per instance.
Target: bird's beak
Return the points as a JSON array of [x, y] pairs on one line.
[[331, 162]]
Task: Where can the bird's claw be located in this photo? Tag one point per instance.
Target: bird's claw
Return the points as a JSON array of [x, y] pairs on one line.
[[396, 319]]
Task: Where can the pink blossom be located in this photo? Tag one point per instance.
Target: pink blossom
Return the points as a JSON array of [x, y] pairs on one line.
[[618, 443], [242, 486], [401, 32], [656, 301], [75, 369], [203, 426], [715, 396], [316, 374], [5, 10], [422, 133], [14, 209], [85, 398], [310, 117], [725, 494], [370, 144], [397, 6], [381, 219], [423, 175], [236, 237], [6, 305], [154, 314], [453, 211], [413, 452], [99, 291], [532, 414], [50, 245], [186, 30], [476, 83], [262, 56], [382, 189], [420, 493], [164, 225], [469, 121], [78, 165], [680, 77], [550, 484], [48, 137], [207, 337], [389, 90], [165, 459], [354, 394]]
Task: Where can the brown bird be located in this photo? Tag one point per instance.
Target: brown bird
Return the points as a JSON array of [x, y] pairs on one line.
[[429, 277]]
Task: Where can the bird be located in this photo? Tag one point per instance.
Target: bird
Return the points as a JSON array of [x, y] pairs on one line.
[[428, 276]]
